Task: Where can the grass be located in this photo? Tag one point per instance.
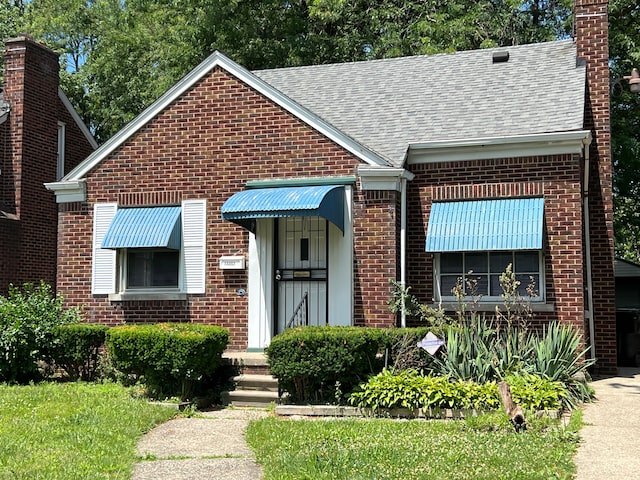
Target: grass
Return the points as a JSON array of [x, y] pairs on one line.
[[72, 430], [481, 448]]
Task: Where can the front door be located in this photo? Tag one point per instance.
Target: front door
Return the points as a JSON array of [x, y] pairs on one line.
[[301, 272]]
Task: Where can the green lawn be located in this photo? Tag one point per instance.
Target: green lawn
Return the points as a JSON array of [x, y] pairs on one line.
[[72, 431], [417, 449]]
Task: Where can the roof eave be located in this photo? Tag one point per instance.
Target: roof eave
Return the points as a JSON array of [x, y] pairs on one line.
[[383, 178], [533, 145], [76, 118], [217, 59], [67, 191]]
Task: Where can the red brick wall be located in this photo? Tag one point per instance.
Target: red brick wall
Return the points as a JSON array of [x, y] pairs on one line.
[[592, 43], [208, 144], [30, 159], [556, 178]]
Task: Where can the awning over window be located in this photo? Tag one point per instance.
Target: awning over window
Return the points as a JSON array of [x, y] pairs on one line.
[[325, 201], [148, 227], [483, 225]]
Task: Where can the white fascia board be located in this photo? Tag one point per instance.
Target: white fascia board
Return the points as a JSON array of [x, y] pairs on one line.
[[499, 147], [382, 178], [67, 191], [217, 59], [76, 118]]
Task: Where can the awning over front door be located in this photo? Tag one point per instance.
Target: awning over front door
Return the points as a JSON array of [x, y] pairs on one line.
[[326, 201], [486, 225]]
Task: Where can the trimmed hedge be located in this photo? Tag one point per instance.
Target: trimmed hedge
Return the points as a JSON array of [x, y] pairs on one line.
[[323, 364], [172, 357], [318, 363], [76, 347]]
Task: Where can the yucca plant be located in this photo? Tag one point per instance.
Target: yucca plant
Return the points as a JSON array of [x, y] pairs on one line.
[[559, 356]]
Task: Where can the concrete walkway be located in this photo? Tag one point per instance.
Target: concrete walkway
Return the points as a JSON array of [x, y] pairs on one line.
[[610, 447], [208, 446]]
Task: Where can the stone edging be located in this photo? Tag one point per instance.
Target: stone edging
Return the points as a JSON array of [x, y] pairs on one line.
[[342, 411]]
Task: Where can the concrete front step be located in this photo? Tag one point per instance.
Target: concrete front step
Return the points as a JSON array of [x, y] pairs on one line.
[[246, 362], [249, 381], [249, 398]]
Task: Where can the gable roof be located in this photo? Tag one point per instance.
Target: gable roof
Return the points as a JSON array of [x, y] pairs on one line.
[[377, 109], [389, 104]]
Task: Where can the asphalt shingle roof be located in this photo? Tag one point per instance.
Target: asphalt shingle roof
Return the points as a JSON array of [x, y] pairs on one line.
[[386, 105]]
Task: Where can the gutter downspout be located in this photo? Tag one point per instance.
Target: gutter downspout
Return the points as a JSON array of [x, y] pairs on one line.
[[403, 245], [587, 241]]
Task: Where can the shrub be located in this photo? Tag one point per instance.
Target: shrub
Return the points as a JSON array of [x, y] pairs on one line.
[[75, 348], [318, 363], [171, 357], [534, 392], [27, 318], [410, 389], [558, 355]]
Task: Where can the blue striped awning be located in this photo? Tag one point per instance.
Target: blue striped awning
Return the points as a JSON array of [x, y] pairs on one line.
[[326, 201], [484, 225], [148, 227]]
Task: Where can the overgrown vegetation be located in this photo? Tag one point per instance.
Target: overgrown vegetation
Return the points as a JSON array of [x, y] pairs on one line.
[[171, 357], [480, 448], [61, 431], [29, 316]]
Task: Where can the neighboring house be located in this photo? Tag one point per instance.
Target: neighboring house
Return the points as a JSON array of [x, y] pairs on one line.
[[256, 199], [628, 311], [41, 139]]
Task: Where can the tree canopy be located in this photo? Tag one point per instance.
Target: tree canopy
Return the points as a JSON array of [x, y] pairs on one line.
[[120, 55]]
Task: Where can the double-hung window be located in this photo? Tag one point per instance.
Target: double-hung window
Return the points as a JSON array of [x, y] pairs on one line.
[[474, 242], [156, 250]]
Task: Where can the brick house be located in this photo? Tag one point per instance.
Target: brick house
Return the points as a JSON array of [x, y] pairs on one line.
[[253, 199], [41, 139]]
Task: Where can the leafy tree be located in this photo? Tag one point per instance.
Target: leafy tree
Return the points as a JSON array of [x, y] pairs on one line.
[[624, 52], [119, 55], [10, 13]]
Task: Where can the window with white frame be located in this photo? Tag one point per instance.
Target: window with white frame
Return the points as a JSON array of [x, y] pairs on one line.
[[149, 249], [481, 271], [61, 150]]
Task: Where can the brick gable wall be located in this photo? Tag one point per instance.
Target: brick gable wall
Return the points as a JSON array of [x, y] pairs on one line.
[[556, 178], [208, 144]]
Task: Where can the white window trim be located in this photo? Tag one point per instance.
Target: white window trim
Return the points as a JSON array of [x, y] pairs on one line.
[[107, 278], [487, 301], [62, 137]]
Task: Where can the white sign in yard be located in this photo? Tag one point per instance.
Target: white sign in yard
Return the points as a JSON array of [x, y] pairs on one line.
[[431, 343]]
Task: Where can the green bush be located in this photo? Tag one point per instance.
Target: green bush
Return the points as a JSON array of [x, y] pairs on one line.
[[410, 389], [76, 347], [172, 357], [534, 392], [319, 363], [28, 316]]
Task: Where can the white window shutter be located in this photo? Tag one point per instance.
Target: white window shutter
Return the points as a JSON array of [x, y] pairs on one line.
[[103, 273], [194, 239]]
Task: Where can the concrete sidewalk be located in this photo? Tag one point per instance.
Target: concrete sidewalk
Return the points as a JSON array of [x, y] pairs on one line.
[[610, 447], [208, 446]]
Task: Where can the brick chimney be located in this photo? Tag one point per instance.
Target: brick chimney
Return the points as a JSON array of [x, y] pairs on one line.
[[29, 158], [591, 36]]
